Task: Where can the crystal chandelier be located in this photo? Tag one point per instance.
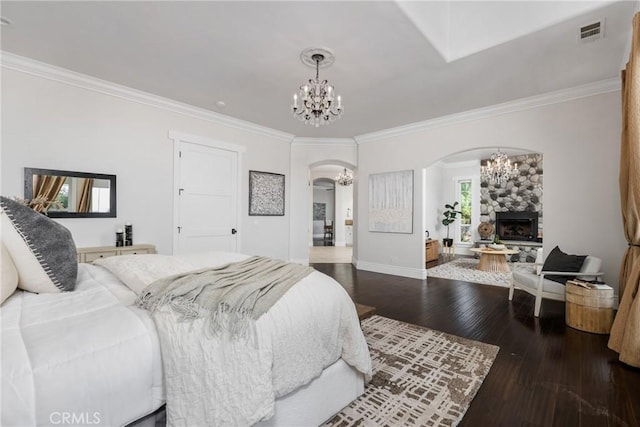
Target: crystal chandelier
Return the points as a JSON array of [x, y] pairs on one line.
[[315, 103], [499, 168], [344, 178]]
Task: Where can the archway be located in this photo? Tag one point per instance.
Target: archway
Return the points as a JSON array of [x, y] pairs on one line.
[[447, 177], [332, 206]]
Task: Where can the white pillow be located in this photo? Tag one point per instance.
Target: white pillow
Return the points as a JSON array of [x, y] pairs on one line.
[[8, 273], [139, 271]]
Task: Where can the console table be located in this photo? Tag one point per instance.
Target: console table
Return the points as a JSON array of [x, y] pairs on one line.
[[493, 260], [92, 254], [431, 250]]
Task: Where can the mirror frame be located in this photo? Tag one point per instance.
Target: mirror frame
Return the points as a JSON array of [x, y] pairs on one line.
[[28, 191]]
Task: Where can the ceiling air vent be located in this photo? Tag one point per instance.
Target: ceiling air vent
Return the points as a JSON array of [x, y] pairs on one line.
[[591, 32]]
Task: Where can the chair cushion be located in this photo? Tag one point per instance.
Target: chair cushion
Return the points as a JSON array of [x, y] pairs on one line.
[[530, 281], [560, 261]]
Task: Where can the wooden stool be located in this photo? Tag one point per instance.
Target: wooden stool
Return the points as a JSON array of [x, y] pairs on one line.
[[589, 309], [448, 252]]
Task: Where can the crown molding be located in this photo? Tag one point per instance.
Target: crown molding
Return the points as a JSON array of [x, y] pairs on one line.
[[323, 141], [590, 89], [62, 75]]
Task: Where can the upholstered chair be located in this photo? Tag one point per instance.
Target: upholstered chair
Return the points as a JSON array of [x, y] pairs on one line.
[[530, 278]]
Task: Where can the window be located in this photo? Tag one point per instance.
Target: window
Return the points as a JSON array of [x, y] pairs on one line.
[[463, 190]]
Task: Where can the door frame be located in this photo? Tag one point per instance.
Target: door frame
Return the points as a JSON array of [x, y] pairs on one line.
[[177, 138]]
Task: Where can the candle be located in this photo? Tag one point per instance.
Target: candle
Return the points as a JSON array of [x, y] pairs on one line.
[[295, 100], [339, 101]]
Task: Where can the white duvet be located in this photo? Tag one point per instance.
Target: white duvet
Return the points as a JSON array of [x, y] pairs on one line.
[[91, 352], [87, 357]]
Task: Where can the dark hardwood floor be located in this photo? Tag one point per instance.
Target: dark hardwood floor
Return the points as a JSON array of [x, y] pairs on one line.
[[545, 374]]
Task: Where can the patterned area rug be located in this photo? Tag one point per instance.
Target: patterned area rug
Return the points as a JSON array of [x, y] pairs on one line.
[[421, 377], [465, 270]]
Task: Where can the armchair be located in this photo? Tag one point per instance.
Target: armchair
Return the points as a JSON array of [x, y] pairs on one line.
[[534, 282]]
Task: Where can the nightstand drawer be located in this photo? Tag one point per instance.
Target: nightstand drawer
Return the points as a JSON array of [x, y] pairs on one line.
[[92, 256], [134, 251]]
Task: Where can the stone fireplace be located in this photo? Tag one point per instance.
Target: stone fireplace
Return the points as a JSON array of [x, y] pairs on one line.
[[521, 195], [521, 226]]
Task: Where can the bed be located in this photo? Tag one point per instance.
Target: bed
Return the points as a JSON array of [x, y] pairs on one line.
[[92, 357]]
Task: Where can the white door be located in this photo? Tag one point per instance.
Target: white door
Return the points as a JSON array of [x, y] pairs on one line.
[[207, 199]]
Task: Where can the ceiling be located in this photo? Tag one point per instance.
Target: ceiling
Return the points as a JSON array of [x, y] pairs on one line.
[[395, 62]]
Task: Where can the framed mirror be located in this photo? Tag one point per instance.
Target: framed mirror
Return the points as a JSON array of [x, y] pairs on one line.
[[67, 194]]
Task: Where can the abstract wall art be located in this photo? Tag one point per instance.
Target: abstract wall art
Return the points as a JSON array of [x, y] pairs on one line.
[[391, 202], [266, 194]]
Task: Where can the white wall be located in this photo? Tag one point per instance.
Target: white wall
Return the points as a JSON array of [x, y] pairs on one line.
[[49, 124], [433, 201], [580, 141], [344, 201]]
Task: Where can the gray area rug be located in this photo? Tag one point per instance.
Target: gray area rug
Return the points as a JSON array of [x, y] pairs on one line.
[[421, 377], [465, 270]]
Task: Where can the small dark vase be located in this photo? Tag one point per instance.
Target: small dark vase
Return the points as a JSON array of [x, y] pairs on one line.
[[447, 242]]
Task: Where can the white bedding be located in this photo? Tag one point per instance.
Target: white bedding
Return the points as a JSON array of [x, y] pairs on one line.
[[296, 340], [91, 352], [87, 357]]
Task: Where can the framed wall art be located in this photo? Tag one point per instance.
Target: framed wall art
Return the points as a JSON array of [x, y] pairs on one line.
[[391, 202], [319, 211], [266, 194]]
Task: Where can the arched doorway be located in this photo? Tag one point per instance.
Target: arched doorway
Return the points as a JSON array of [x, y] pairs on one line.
[[331, 219], [458, 177]]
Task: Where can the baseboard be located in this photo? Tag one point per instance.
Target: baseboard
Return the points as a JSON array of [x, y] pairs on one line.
[[395, 270], [340, 244]]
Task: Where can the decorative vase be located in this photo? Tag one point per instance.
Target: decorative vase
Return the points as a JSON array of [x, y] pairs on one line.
[[447, 242]]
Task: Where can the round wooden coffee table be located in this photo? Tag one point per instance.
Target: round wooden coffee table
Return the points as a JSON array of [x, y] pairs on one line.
[[493, 260]]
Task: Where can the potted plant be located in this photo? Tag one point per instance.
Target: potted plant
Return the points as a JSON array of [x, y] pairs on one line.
[[450, 214]]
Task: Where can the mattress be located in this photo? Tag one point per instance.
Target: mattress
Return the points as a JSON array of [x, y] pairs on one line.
[[105, 369]]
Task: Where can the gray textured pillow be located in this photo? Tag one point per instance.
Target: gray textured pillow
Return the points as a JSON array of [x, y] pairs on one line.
[[42, 250]]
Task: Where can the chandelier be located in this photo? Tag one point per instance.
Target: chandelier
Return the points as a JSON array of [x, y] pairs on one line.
[[499, 168], [344, 178], [316, 103]]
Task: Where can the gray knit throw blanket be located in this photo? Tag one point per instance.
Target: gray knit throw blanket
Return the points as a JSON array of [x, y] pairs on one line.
[[232, 296]]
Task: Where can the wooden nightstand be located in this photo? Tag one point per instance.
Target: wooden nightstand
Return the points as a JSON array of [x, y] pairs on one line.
[[92, 254]]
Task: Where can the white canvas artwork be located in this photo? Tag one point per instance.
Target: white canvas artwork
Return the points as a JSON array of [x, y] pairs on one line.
[[391, 202]]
